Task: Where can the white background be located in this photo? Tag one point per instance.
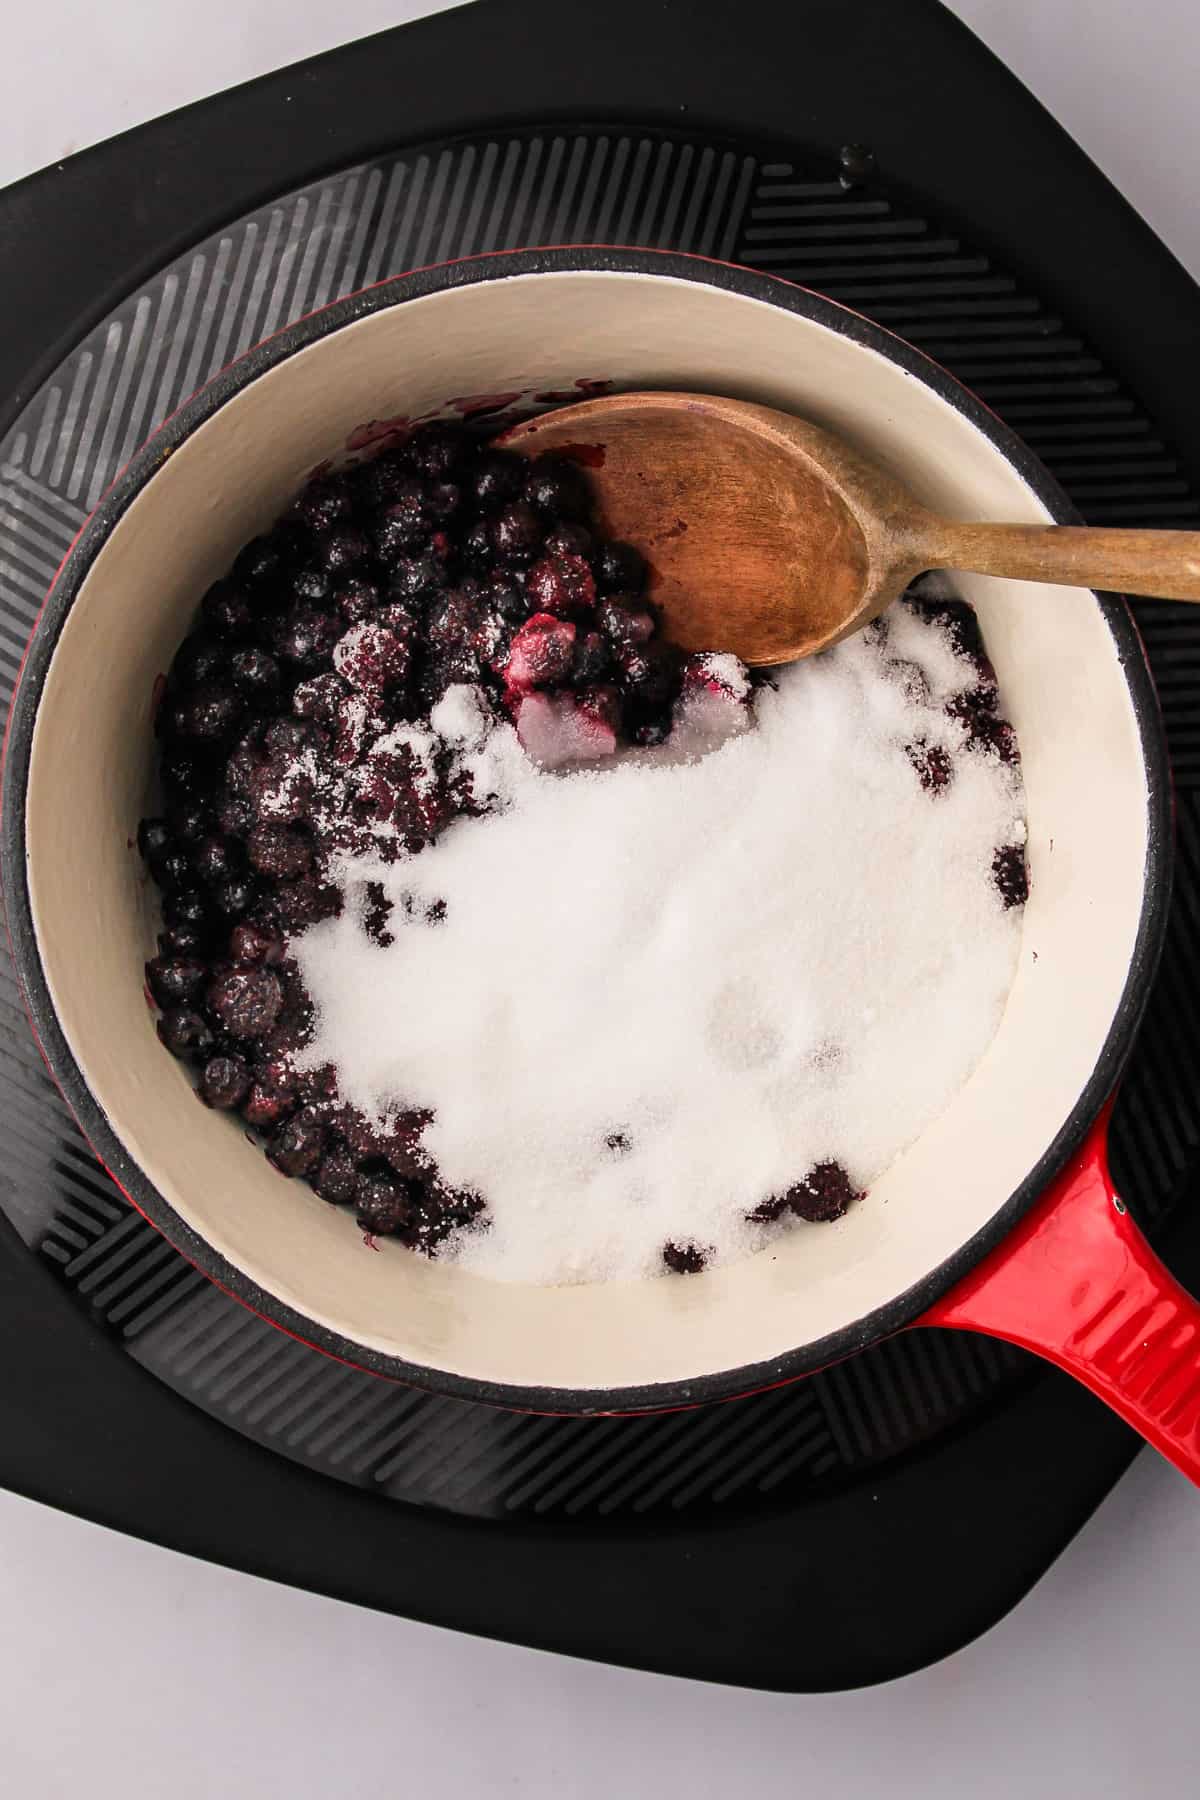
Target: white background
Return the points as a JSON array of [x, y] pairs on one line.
[[129, 1671]]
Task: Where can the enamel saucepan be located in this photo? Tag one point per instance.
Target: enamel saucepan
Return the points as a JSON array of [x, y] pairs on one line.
[[1000, 1218]]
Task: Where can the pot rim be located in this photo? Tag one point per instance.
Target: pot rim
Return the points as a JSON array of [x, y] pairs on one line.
[[906, 1307]]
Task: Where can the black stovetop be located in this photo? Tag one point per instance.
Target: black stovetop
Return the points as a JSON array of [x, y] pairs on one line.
[[758, 1542]]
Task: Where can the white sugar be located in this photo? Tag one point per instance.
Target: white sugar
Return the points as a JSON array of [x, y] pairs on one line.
[[663, 990], [461, 716]]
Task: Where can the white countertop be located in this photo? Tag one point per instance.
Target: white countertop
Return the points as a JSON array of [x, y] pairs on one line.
[[134, 1672]]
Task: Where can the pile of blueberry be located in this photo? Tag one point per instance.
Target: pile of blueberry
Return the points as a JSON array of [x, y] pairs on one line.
[[440, 561]]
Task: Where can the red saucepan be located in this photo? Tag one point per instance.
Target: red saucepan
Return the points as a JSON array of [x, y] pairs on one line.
[[1000, 1218]]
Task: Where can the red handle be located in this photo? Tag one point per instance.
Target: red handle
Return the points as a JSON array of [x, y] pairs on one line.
[[1077, 1282]]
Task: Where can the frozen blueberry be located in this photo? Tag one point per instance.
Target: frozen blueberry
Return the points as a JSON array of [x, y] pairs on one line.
[[253, 942], [684, 1258], [246, 1001], [1011, 874], [255, 675], [620, 569], [404, 525], [185, 1032], [336, 1177], [323, 502], [342, 549], [381, 1205], [295, 1145], [226, 612], [516, 533], [558, 487], [216, 859], [305, 636], [199, 659], [154, 840], [436, 450], [357, 598], [499, 475], [279, 851], [176, 980], [224, 1082], [209, 714]]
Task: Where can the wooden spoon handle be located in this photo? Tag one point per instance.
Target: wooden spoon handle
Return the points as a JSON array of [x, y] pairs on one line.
[[1165, 564]]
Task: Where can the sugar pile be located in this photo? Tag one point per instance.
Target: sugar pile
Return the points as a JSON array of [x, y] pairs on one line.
[[639, 1000]]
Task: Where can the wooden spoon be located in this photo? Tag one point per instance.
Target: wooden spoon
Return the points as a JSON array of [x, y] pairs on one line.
[[771, 538]]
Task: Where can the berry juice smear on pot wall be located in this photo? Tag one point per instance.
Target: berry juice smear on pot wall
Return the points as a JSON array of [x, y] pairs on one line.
[[532, 942]]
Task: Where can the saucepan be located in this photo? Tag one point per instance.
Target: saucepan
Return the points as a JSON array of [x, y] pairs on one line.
[[1000, 1218]]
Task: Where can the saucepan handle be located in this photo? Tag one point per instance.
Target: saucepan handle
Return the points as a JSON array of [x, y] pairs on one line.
[[1077, 1283]]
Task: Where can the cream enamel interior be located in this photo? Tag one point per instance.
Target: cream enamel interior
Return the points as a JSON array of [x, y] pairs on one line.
[[94, 917]]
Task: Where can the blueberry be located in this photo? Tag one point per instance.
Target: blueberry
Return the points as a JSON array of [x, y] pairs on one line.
[[434, 450], [227, 612], [246, 1001], [312, 587], [252, 942], [648, 728], [306, 636], [295, 1145], [592, 658], [224, 1082], [185, 1032], [342, 550], [235, 814], [216, 859], [183, 773], [477, 545], [187, 906], [381, 1205], [415, 578], [558, 488], [208, 715], [292, 737], [323, 502], [155, 840], [403, 525], [1011, 875], [255, 674], [357, 599], [620, 569], [377, 482], [508, 599], [320, 698], [685, 1258], [190, 821], [174, 870], [278, 851], [499, 475], [176, 980], [443, 499], [650, 675], [183, 940], [824, 1194], [570, 540], [199, 659], [269, 1100], [258, 566], [236, 896], [516, 534], [559, 584], [336, 1178], [627, 626]]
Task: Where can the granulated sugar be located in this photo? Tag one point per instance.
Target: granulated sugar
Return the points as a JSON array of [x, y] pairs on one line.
[[659, 992]]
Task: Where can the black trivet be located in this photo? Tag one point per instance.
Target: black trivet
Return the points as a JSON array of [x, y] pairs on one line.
[[822, 217]]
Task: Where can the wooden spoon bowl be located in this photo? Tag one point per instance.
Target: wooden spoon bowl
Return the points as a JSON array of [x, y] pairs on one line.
[[772, 538]]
